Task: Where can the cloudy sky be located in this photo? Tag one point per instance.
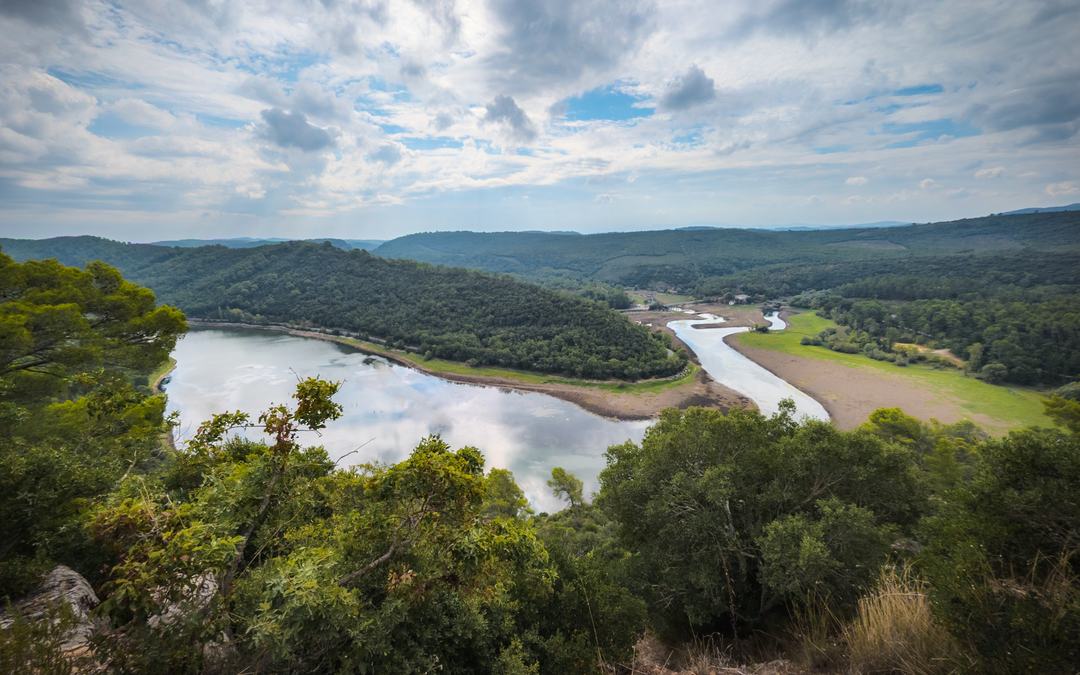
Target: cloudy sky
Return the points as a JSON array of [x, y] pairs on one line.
[[373, 118]]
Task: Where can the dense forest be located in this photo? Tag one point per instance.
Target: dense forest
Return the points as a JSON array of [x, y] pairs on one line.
[[1012, 317], [896, 547], [455, 314], [997, 291]]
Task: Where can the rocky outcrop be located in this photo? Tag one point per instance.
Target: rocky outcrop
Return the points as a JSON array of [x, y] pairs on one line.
[[61, 586]]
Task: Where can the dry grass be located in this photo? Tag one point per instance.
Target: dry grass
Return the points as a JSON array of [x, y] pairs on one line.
[[894, 630], [708, 656]]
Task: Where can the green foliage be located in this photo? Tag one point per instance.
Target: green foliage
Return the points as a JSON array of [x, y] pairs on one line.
[[831, 554], [72, 342], [1002, 555], [706, 494], [503, 498], [592, 615], [443, 313], [267, 554], [1064, 411], [566, 485]]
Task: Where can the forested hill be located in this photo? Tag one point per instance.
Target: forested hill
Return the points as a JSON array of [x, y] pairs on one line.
[[447, 313], [684, 258]]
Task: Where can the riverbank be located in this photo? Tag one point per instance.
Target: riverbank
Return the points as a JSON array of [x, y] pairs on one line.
[[851, 386], [611, 399], [157, 377]]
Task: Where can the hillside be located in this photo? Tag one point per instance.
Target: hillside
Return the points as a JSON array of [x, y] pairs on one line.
[[252, 242], [683, 258], [446, 313]]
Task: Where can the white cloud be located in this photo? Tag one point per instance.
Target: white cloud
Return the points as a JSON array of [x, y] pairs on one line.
[[1063, 188], [856, 181], [927, 184], [991, 172]]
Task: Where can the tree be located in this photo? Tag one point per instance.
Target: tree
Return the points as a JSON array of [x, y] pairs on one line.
[[566, 486], [717, 508], [503, 497], [72, 421]]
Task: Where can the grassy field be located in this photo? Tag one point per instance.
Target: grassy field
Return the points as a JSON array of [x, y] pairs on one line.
[[638, 297], [442, 366], [1015, 406]]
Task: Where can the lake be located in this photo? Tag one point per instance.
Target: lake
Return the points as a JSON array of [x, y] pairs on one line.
[[389, 408]]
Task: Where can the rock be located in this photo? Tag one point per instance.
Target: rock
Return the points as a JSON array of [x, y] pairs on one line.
[[61, 586]]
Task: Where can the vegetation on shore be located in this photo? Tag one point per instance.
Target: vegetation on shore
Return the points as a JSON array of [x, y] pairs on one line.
[[450, 314], [1016, 406]]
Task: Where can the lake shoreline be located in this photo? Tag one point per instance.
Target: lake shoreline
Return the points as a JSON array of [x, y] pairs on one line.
[[698, 390]]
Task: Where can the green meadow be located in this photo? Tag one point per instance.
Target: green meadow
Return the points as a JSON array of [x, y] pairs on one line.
[[1013, 406]]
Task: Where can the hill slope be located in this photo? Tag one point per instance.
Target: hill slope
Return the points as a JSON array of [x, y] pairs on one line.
[[683, 258], [448, 313]]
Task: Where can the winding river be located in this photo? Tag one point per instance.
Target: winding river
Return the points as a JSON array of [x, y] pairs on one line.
[[388, 408], [733, 370]]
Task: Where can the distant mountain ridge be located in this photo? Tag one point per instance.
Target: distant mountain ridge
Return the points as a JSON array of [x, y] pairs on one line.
[[1044, 209], [682, 258], [254, 242]]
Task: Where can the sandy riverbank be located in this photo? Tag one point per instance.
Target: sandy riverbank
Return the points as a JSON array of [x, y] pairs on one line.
[[851, 394], [699, 390]]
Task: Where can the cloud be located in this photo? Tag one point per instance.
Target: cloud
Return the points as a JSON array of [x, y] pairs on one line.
[[138, 112], [690, 89], [291, 130], [1063, 188], [990, 172], [54, 13], [808, 18], [1050, 108], [927, 184], [544, 42], [505, 112], [856, 181], [388, 154]]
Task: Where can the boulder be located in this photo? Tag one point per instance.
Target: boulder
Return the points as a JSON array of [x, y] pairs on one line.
[[61, 586]]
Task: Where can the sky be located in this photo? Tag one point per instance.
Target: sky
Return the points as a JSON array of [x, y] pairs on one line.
[[370, 119]]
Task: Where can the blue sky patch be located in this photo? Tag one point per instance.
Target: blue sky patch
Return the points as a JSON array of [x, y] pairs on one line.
[[430, 142], [605, 103], [831, 149], [919, 90], [216, 121], [110, 125]]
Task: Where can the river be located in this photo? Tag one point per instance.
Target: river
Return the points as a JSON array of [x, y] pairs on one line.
[[733, 370], [389, 408]]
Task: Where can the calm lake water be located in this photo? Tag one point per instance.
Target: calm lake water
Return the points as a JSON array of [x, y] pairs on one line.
[[390, 407]]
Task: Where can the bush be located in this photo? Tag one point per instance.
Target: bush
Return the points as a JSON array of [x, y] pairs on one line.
[[994, 373], [717, 509], [1002, 555]]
